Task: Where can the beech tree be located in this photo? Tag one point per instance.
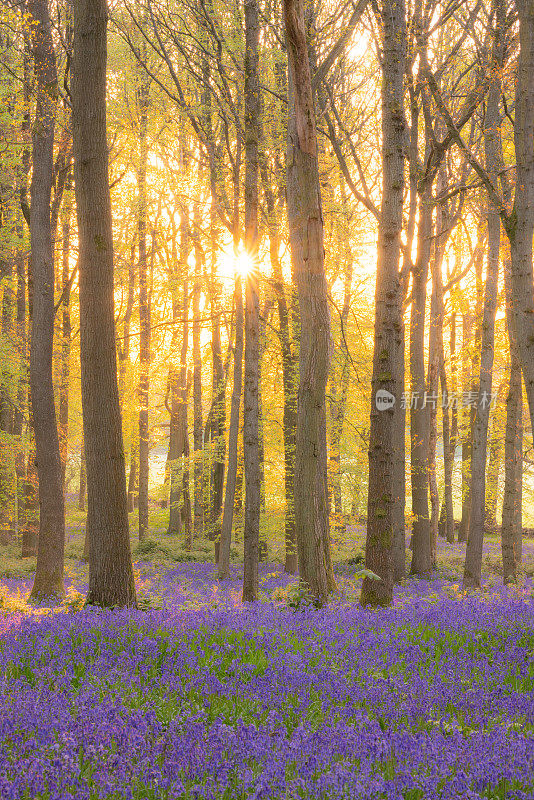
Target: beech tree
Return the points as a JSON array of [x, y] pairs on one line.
[[307, 253], [388, 343], [111, 581], [49, 570]]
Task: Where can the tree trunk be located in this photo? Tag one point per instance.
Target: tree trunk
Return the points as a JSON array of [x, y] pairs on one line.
[[144, 309], [388, 343], [198, 439], [520, 224], [132, 479], [467, 327], [228, 513], [450, 431], [50, 552], [473, 557], [111, 581], [66, 329], [251, 387], [436, 320], [178, 388], [512, 528], [494, 466], [83, 481], [307, 253], [419, 410], [7, 461]]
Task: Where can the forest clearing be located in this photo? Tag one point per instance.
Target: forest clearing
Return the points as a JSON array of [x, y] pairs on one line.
[[266, 400]]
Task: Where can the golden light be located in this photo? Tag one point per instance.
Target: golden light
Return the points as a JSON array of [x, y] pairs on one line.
[[244, 263], [231, 263]]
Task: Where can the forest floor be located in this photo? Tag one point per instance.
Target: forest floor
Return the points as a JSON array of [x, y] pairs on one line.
[[198, 696]]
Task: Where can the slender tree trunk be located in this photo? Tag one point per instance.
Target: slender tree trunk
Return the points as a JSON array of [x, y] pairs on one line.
[[388, 343], [494, 466], [111, 581], [432, 389], [50, 553], [512, 527], [450, 431], [419, 410], [216, 425], [83, 481], [467, 327], [473, 557], [228, 513], [144, 310], [132, 478], [198, 442], [178, 388], [251, 387], [7, 461], [66, 329], [338, 402], [22, 393]]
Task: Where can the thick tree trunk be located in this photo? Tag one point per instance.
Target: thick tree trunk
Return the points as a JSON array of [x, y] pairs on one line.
[[251, 388], [520, 224], [111, 581], [388, 343], [473, 557], [307, 253], [50, 552]]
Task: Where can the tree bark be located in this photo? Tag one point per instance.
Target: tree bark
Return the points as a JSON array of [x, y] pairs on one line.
[[228, 513], [467, 326], [178, 390], [144, 309], [83, 481], [111, 581], [307, 252], [492, 122], [50, 551], [520, 224], [388, 343], [251, 387], [450, 432], [419, 410], [66, 328], [512, 527], [198, 438], [496, 448]]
